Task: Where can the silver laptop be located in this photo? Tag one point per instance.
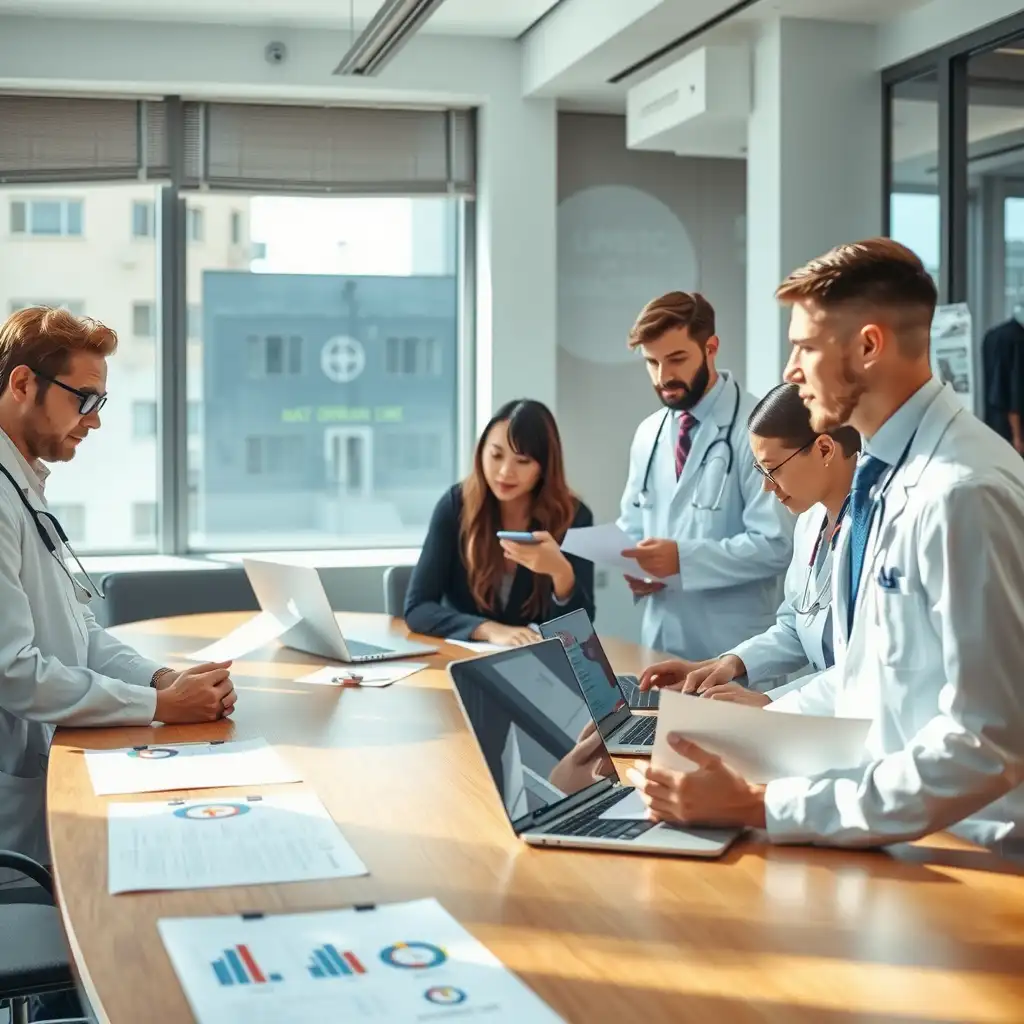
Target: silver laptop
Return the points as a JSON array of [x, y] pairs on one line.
[[623, 732], [550, 764], [577, 624], [296, 593]]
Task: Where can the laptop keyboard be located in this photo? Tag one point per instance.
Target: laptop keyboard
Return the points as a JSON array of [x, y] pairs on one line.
[[589, 822], [635, 697], [639, 734]]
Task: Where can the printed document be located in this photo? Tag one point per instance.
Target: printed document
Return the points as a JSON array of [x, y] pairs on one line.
[[152, 768], [603, 545], [401, 963], [760, 745], [246, 840]]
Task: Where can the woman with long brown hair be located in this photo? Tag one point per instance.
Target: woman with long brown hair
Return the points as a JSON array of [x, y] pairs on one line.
[[469, 584]]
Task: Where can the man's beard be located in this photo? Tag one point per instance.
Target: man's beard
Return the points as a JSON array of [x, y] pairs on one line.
[[47, 447], [692, 393], [843, 405]]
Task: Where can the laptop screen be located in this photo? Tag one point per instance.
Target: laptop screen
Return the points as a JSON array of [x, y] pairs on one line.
[[527, 712], [592, 668]]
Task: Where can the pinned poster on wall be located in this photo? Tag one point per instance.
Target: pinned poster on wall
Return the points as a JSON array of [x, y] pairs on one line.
[[952, 350]]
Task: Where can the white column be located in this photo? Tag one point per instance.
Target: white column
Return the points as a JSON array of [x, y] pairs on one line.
[[516, 310], [814, 174]]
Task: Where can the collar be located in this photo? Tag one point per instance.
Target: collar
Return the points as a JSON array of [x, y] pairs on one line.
[[893, 436], [34, 475], [703, 409]]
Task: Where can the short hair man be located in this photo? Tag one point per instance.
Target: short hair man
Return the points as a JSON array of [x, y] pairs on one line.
[[57, 666], [928, 589]]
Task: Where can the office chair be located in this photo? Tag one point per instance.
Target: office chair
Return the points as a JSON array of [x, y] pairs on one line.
[[396, 583], [33, 955], [158, 593]]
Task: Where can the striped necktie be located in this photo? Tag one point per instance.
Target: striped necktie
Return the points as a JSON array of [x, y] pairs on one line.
[[684, 442]]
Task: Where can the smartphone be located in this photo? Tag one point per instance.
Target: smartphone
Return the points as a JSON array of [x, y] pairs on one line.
[[518, 536]]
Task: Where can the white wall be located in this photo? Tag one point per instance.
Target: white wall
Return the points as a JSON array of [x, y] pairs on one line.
[[814, 157], [516, 192]]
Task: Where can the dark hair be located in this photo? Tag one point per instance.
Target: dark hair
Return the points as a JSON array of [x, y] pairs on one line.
[[782, 416], [532, 432], [676, 309]]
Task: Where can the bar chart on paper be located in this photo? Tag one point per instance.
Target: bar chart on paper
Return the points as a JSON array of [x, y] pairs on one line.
[[327, 962], [237, 966], [404, 963]]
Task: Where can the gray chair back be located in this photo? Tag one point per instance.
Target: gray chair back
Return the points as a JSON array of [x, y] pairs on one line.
[[155, 594], [396, 583]]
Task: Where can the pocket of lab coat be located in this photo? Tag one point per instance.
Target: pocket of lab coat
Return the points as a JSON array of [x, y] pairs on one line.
[[23, 816], [900, 619]]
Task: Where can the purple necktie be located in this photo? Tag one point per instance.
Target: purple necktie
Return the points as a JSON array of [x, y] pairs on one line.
[[684, 441]]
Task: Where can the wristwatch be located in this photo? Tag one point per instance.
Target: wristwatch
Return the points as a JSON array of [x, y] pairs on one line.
[[159, 674]]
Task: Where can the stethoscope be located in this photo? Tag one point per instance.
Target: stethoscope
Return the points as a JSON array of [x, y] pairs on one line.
[[38, 517], [643, 498], [824, 596]]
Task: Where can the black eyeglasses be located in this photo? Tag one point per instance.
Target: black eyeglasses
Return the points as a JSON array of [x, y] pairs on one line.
[[89, 401], [769, 474]]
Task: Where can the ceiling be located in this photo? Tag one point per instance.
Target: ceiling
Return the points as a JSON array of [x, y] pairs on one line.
[[495, 18], [586, 87]]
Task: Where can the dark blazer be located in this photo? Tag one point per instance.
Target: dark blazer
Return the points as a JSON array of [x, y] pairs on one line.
[[439, 601]]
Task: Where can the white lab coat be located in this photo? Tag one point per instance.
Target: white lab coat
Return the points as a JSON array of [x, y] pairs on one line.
[[731, 559], [935, 657], [794, 641], [57, 665]]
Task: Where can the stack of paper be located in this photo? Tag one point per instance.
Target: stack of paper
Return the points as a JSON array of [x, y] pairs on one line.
[[404, 963]]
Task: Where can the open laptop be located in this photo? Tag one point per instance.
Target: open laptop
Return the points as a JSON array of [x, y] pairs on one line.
[[577, 624], [623, 732], [527, 713], [296, 593]]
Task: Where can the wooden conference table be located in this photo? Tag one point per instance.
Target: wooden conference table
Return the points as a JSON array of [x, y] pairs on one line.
[[925, 933]]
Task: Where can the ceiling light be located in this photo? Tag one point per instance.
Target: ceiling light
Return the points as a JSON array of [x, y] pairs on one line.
[[388, 31]]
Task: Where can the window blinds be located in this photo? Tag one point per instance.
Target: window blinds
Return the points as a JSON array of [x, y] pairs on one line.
[[336, 150], [239, 146], [53, 138]]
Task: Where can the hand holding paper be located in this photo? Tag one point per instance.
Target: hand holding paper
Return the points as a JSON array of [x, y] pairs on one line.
[[604, 545], [711, 759]]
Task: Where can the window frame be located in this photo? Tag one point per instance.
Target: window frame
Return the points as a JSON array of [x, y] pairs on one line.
[[176, 224]]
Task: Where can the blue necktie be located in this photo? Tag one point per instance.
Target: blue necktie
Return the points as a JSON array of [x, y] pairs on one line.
[[869, 470]]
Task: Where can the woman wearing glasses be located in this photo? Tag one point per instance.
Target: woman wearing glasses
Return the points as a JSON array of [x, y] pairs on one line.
[[810, 474]]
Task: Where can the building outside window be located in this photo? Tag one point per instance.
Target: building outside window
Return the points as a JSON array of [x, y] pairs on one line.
[[143, 219], [72, 519], [143, 320], [53, 217]]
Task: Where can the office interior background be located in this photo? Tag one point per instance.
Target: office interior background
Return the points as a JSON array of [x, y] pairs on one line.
[[324, 283]]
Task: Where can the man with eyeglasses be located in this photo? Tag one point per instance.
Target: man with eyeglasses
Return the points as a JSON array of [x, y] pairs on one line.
[[57, 665]]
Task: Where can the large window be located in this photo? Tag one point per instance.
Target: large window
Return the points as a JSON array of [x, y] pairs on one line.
[[116, 468], [295, 283], [326, 374], [914, 193], [956, 176]]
